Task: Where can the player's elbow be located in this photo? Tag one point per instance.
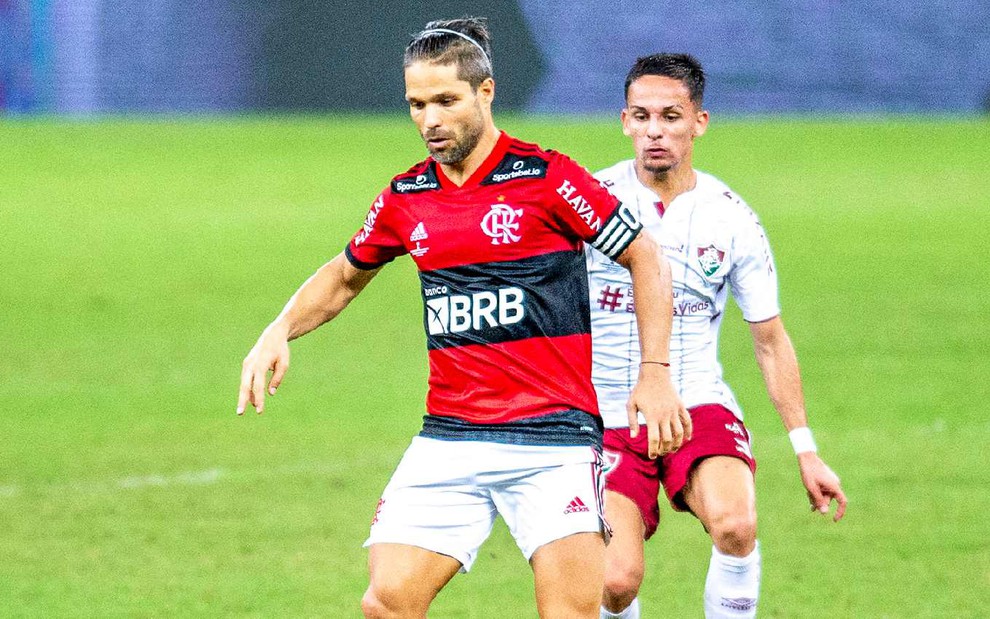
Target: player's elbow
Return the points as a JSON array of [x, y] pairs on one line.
[[643, 248]]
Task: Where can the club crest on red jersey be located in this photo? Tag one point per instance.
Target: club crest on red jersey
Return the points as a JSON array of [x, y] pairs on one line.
[[710, 259], [501, 223]]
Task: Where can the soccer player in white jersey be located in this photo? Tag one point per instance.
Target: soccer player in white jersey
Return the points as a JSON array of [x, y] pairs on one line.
[[715, 245]]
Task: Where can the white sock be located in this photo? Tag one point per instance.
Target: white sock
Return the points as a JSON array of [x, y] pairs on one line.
[[733, 585], [630, 612]]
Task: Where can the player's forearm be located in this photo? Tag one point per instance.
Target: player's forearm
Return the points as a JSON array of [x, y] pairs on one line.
[[778, 362], [650, 273], [320, 299]]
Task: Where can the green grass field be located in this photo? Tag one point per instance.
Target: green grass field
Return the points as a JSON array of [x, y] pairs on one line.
[[142, 258]]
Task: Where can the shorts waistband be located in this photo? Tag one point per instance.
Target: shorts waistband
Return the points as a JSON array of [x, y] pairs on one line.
[[563, 428]]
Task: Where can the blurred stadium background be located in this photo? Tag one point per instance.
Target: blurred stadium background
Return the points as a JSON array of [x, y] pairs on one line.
[[95, 56], [170, 171]]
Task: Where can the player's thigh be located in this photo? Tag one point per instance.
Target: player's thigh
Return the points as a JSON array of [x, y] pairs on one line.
[[631, 474], [721, 490], [624, 555], [406, 578], [718, 437], [434, 502], [555, 492], [568, 576]]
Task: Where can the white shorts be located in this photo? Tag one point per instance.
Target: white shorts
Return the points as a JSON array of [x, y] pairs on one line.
[[444, 496]]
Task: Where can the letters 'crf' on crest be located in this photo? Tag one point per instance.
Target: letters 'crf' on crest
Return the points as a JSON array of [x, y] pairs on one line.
[[501, 224]]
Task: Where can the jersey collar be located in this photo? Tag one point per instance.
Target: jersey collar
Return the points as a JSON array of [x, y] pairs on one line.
[[486, 167]]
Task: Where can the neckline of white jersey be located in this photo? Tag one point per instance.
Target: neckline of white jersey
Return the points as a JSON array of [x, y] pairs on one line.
[[698, 174]]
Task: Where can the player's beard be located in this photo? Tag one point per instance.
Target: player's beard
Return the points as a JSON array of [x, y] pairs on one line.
[[657, 170], [463, 146]]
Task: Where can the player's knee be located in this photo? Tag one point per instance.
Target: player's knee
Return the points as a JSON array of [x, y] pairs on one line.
[[734, 534], [373, 607], [622, 582], [386, 602]]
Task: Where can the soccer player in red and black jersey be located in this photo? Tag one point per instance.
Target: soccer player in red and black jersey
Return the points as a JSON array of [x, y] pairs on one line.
[[496, 228]]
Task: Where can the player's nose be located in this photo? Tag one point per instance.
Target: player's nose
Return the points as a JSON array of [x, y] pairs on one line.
[[431, 117], [654, 128]]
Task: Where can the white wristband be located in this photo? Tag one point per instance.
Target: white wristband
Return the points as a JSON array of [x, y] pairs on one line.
[[801, 440]]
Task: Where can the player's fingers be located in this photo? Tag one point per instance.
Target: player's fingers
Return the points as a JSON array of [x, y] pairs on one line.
[[281, 366], [244, 393], [258, 391], [819, 502], [633, 417], [840, 499], [653, 436], [666, 438], [677, 433], [686, 422]]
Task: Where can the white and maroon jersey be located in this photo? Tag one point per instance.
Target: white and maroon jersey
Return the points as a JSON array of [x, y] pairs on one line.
[[505, 290], [714, 243]]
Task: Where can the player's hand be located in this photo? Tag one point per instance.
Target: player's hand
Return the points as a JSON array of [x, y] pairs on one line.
[[270, 353], [822, 484], [668, 423]]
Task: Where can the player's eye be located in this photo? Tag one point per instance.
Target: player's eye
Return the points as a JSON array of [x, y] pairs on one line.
[[671, 117]]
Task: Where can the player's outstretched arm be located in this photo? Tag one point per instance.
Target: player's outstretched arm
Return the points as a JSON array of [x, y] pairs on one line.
[[668, 423], [778, 363], [324, 295]]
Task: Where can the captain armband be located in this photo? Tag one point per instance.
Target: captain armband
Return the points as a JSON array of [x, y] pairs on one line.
[[618, 232]]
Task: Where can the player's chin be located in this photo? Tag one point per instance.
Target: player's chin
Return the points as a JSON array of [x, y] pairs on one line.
[[446, 155], [657, 166]]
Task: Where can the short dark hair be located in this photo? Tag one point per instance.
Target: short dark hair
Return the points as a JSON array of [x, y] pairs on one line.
[[474, 62], [684, 68]]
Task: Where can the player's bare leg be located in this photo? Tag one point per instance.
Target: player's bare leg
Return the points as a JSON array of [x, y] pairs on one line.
[[404, 580], [568, 574], [624, 560], [721, 493]]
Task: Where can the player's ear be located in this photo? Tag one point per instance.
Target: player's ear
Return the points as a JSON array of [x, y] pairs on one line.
[[701, 123], [486, 90], [624, 117]]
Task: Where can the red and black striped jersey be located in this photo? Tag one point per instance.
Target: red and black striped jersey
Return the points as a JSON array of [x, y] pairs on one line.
[[503, 276]]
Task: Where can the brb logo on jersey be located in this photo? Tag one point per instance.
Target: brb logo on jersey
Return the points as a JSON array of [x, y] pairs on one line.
[[501, 224], [458, 313]]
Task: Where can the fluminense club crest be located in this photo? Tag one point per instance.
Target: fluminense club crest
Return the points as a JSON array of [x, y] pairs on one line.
[[710, 259]]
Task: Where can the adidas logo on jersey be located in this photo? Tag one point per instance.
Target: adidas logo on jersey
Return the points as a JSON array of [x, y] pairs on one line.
[[576, 506], [418, 234]]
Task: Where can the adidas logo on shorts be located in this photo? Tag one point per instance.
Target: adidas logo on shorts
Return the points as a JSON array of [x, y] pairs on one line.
[[576, 505]]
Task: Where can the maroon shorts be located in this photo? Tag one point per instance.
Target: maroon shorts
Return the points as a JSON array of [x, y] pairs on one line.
[[630, 472]]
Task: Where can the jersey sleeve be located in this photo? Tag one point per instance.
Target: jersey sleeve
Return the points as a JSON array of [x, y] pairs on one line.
[[586, 209], [753, 279], [375, 243]]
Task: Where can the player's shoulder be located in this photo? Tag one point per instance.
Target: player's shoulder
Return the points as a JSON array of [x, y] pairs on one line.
[[417, 179], [520, 161], [715, 193], [618, 174], [517, 147], [554, 159]]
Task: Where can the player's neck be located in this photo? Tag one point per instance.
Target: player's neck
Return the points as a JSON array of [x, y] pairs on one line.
[[459, 172], [670, 183]]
